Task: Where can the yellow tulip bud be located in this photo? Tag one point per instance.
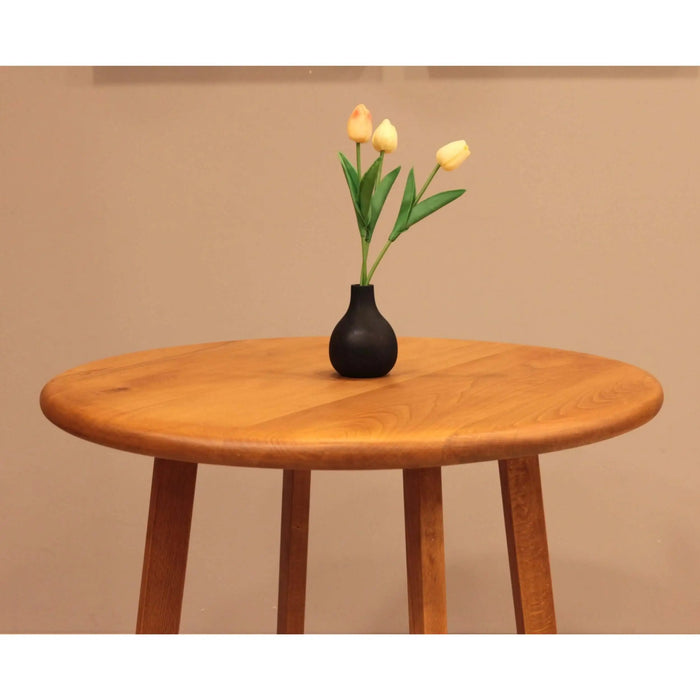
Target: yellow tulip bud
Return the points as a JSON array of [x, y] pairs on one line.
[[385, 137], [360, 124], [452, 155]]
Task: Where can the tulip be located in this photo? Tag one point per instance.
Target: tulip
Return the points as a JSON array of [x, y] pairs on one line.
[[360, 124], [385, 137], [452, 155]]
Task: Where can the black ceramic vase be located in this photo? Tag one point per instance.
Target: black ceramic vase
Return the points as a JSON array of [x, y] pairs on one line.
[[363, 344]]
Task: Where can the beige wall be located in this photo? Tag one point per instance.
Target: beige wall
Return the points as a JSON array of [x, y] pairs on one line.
[[151, 207]]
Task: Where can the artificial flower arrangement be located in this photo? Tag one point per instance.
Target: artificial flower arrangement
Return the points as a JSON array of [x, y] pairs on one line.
[[363, 344], [369, 190]]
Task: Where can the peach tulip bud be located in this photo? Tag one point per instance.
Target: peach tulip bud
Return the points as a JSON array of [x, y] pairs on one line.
[[360, 124], [385, 137], [452, 155]]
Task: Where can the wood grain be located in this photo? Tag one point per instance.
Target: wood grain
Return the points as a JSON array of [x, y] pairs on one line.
[[528, 554], [294, 544], [167, 542], [425, 551], [278, 403]]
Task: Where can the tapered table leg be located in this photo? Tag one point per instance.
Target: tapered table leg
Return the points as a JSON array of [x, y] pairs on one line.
[[294, 544], [527, 545], [425, 551], [167, 541]]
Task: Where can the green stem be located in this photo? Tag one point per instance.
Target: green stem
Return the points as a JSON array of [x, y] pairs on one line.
[[427, 182], [376, 262], [357, 152], [381, 162], [363, 272]]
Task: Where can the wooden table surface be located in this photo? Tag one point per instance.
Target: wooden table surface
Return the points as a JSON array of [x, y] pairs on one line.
[[278, 403]]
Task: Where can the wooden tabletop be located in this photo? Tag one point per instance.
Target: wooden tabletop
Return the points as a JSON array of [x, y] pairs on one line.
[[278, 403]]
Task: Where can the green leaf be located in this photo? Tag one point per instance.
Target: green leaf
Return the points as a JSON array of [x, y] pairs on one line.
[[354, 186], [378, 199], [432, 204], [350, 175], [367, 185], [409, 195]]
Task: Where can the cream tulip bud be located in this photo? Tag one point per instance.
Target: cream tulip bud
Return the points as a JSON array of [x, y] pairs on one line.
[[385, 137], [360, 124], [452, 155]]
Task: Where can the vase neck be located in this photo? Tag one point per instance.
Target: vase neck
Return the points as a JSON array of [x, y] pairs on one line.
[[362, 292]]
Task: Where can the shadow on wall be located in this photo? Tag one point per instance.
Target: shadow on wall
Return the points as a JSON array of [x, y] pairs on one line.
[[113, 75], [116, 75]]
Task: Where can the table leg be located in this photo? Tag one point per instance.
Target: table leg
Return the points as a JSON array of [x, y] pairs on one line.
[[425, 551], [527, 545], [294, 541], [167, 541]]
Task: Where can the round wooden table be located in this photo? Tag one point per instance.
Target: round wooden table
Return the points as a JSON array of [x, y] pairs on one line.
[[277, 403]]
